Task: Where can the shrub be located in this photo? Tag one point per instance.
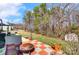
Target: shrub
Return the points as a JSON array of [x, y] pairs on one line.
[[74, 48], [74, 27]]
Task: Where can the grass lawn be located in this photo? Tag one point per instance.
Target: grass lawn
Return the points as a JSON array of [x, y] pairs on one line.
[[66, 47]]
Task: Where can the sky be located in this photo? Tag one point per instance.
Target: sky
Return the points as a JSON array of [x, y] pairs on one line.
[[13, 13]]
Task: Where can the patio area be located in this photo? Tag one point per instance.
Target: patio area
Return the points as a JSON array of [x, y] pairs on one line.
[[40, 48]]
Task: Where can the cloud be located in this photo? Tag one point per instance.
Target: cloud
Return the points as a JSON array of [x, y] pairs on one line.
[[9, 9]]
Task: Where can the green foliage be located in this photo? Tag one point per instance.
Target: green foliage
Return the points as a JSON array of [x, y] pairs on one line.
[[36, 9], [36, 25], [28, 14], [43, 7], [74, 27], [73, 49]]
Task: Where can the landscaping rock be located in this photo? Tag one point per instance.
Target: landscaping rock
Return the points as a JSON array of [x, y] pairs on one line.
[[71, 37]]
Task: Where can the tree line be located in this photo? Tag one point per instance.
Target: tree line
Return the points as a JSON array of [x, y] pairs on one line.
[[53, 20]]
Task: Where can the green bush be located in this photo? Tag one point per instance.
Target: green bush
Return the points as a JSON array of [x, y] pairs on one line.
[[74, 27], [74, 48]]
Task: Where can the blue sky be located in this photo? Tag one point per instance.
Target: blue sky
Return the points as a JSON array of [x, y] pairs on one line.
[[14, 12]]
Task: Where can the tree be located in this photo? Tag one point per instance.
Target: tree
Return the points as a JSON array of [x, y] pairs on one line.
[[51, 20], [45, 17], [36, 18], [43, 7], [28, 19]]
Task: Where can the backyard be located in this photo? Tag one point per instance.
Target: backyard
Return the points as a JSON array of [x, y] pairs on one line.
[[40, 28], [67, 47]]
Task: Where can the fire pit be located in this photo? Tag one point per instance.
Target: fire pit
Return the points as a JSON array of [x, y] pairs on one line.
[[27, 48]]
